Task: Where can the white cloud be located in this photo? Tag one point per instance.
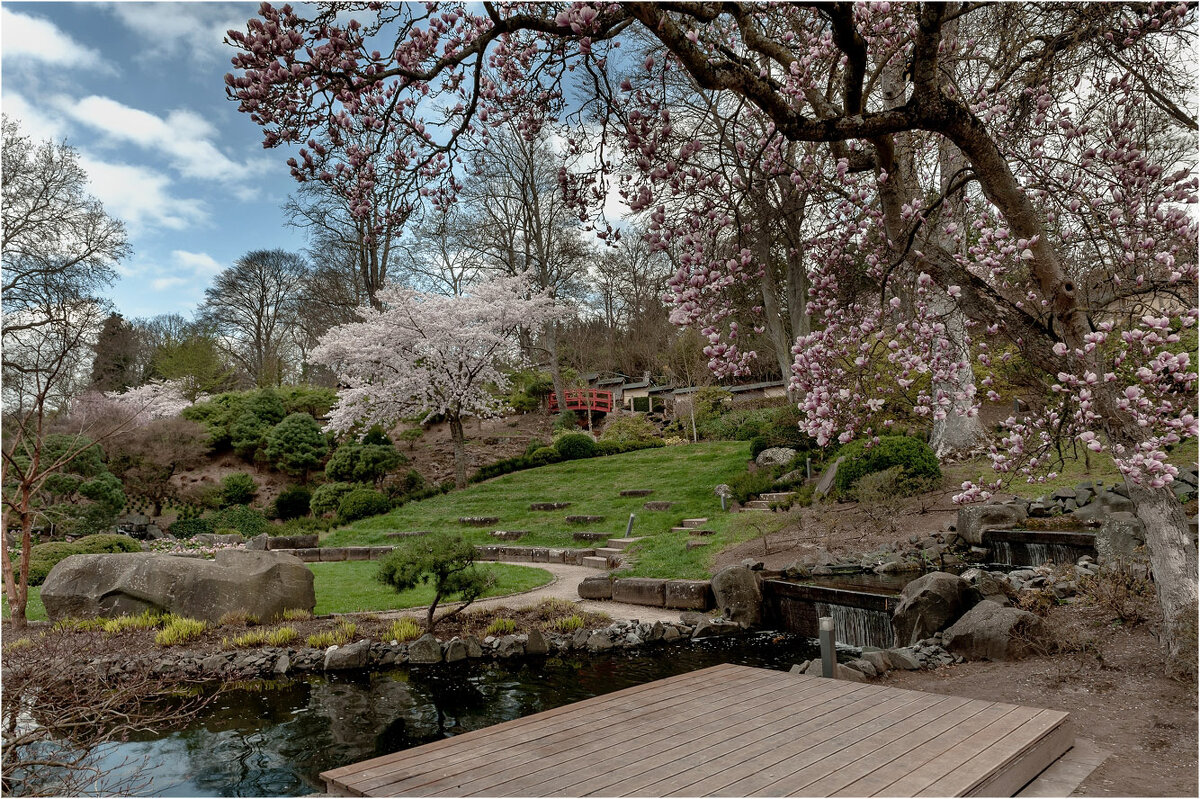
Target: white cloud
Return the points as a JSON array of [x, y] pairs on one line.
[[34, 123], [140, 197], [27, 39], [193, 29], [164, 283], [201, 264], [184, 137]]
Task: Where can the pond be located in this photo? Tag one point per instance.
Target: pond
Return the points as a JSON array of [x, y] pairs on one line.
[[276, 739]]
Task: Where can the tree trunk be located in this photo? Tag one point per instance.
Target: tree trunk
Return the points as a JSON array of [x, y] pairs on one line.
[[555, 371], [460, 451], [1173, 561]]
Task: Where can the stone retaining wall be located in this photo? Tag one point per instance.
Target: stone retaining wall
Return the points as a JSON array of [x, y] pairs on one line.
[[571, 557], [650, 592]]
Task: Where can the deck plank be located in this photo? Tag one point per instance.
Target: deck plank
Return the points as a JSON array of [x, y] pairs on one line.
[[732, 731]]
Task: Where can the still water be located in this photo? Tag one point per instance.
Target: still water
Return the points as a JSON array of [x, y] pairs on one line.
[[275, 741]]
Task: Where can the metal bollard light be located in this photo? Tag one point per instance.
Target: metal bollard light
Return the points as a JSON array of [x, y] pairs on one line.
[[629, 527], [828, 653]]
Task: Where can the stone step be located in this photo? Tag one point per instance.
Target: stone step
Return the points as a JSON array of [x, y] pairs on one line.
[[696, 523], [609, 552], [777, 497], [657, 505], [584, 536], [622, 543], [702, 532], [757, 504], [594, 562], [637, 492], [693, 544], [682, 529]]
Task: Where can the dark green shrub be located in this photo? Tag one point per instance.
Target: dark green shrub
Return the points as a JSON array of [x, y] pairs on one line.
[[502, 467], [267, 405], [534, 445], [565, 421], [245, 520], [361, 503], [914, 457], [748, 485], [296, 445], [326, 497], [292, 503], [305, 525], [544, 456], [43, 557], [574, 446], [188, 528], [363, 463], [248, 435], [238, 489]]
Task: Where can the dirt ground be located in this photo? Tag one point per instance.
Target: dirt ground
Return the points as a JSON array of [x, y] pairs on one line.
[[1111, 682]]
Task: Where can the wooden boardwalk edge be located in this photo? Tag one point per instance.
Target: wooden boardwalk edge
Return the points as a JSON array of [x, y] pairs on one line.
[[779, 732]]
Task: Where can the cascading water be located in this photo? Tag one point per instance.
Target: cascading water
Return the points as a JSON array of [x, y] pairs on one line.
[[858, 626], [1022, 553]]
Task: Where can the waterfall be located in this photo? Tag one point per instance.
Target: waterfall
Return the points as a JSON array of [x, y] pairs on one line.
[[858, 626], [1021, 553]]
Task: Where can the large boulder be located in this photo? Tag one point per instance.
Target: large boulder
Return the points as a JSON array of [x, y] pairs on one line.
[[1118, 539], [263, 584], [738, 595], [825, 484], [931, 603], [974, 519], [989, 631], [1105, 504], [775, 456]]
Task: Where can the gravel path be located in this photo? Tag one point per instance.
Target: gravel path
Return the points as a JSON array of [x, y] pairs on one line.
[[566, 586]]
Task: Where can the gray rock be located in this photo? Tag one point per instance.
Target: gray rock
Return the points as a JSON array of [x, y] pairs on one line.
[[214, 664], [283, 664], [263, 584], [258, 543], [738, 596], [425, 649], [710, 627], [863, 665], [212, 539], [723, 490], [825, 484], [1119, 537], [903, 659], [775, 456], [456, 650], [878, 660], [535, 643], [789, 477], [156, 533], [840, 671], [1063, 493], [350, 656], [474, 648], [599, 642], [974, 519], [670, 634], [991, 632], [930, 603], [596, 588]]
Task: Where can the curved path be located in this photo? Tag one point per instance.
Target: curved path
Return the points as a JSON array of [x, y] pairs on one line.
[[565, 585]]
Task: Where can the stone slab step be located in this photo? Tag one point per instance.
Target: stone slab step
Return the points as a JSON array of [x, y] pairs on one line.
[[777, 496], [702, 532], [594, 562], [609, 552], [682, 529], [694, 522], [637, 492], [621, 543], [693, 544], [757, 504]]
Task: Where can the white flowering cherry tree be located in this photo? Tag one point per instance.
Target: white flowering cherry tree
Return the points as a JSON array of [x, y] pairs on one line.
[[431, 354]]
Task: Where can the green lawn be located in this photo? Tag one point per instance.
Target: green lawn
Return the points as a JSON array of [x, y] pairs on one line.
[[34, 609], [683, 475], [351, 586]]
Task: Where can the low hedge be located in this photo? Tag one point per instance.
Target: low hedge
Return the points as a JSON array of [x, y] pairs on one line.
[[541, 458], [912, 455], [190, 528], [576, 446], [43, 557]]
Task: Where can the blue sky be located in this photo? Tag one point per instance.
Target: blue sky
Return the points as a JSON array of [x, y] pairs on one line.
[[138, 89]]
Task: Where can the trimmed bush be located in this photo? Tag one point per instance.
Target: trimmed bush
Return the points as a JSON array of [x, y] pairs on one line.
[[574, 446], [361, 503], [326, 497], [245, 520], [543, 456], [629, 428], [189, 528], [748, 485], [238, 489], [293, 503], [43, 557], [914, 457]]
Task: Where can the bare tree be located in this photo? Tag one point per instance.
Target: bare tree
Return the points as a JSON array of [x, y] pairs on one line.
[[253, 304]]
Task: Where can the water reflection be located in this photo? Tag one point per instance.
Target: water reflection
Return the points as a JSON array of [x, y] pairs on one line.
[[275, 738]]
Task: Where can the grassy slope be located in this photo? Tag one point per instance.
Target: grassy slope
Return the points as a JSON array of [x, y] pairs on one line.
[[684, 475], [34, 609], [351, 586]]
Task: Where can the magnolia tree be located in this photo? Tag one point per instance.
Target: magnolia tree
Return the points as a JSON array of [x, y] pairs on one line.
[[430, 354], [1000, 183]]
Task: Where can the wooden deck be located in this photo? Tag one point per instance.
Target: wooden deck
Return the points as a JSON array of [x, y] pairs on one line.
[[734, 731]]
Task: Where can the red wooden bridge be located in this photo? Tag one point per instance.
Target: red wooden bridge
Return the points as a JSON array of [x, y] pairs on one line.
[[583, 400]]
